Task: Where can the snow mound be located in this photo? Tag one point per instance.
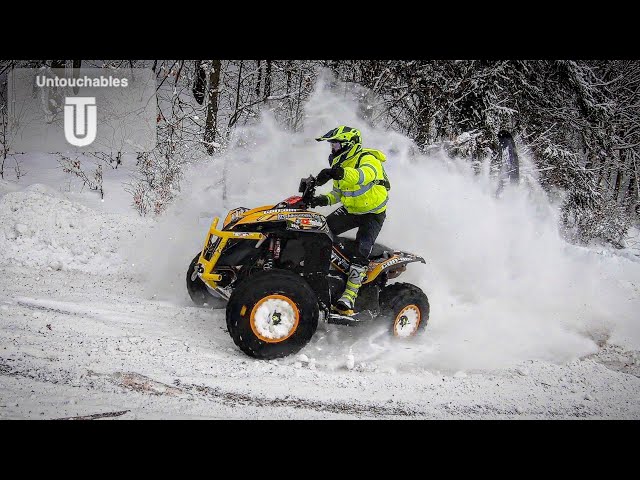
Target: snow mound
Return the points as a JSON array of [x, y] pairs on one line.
[[6, 187], [41, 228]]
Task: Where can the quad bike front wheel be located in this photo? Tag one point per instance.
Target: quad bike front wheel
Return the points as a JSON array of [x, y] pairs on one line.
[[405, 307], [198, 291], [274, 313]]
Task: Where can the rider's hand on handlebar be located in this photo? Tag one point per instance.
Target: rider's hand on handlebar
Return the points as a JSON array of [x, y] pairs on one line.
[[336, 173], [319, 201]]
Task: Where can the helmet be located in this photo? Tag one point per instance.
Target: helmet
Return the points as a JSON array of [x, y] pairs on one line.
[[342, 134]]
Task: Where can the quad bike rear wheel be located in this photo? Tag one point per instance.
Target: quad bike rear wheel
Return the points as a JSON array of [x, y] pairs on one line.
[[405, 307], [198, 291], [274, 313]]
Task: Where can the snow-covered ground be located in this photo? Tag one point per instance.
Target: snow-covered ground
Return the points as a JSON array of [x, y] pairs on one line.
[[76, 344], [95, 321], [81, 334]]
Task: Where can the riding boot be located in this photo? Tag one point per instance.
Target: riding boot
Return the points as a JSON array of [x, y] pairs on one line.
[[357, 273]]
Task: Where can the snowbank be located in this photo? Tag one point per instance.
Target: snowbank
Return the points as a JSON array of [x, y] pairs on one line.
[[40, 227], [6, 187]]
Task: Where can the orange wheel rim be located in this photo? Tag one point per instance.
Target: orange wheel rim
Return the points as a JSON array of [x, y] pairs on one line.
[[274, 318], [407, 321]]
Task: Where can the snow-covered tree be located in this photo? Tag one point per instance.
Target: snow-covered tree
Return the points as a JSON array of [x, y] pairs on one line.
[[578, 118]]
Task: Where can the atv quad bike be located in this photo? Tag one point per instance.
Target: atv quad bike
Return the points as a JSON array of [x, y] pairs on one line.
[[278, 267]]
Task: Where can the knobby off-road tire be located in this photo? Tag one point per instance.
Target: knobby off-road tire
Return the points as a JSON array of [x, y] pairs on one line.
[[198, 290], [405, 307], [274, 313]]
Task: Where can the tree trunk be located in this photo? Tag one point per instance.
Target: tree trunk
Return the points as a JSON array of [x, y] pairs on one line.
[[636, 177], [617, 184], [200, 82], [295, 120], [267, 81], [259, 79], [4, 120], [234, 117], [631, 190], [212, 107], [76, 74], [288, 68]]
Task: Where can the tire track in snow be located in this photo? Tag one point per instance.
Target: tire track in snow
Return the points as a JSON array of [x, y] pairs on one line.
[[357, 409], [136, 382]]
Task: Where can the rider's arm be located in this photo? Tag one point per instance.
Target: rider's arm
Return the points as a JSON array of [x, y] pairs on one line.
[[334, 195], [369, 170]]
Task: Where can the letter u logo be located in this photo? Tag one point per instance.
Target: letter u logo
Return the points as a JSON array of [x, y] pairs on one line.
[[80, 120]]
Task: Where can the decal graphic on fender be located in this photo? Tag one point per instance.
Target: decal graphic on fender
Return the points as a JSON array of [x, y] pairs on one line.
[[280, 210], [314, 216], [339, 261], [303, 221], [393, 261], [387, 263]]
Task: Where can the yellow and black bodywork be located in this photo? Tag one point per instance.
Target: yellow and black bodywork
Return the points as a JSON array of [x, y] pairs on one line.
[[296, 239], [277, 267]]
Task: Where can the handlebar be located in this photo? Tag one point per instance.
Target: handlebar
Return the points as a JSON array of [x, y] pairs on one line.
[[307, 188]]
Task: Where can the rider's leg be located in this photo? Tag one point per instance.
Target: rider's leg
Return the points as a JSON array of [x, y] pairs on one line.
[[370, 226], [340, 221]]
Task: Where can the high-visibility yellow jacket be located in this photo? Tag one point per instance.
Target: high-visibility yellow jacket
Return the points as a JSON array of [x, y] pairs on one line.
[[364, 188]]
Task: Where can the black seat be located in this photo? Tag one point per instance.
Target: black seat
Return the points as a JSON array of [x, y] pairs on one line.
[[349, 247]]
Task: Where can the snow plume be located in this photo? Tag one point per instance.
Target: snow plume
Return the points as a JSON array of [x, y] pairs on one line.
[[503, 285]]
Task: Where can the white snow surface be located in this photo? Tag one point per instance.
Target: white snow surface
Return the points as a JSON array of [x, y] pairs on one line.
[[42, 230], [95, 319], [74, 345]]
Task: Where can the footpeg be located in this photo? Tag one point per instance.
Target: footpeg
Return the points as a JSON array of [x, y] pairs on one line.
[[354, 319]]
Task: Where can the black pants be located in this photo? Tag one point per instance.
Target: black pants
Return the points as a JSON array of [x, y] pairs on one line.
[[368, 225]]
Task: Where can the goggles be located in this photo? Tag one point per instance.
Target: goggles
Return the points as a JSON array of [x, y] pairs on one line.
[[336, 147]]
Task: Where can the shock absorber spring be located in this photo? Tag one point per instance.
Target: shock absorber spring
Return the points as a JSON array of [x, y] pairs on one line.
[[268, 261], [276, 249]]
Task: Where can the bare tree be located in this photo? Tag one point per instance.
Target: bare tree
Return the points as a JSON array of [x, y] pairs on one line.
[[579, 119], [200, 82], [212, 107], [259, 79], [73, 166], [267, 81], [3, 126]]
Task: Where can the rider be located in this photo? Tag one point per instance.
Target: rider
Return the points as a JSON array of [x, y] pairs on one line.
[[361, 185]]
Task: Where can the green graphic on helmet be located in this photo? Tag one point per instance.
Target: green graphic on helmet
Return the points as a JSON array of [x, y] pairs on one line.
[[342, 134]]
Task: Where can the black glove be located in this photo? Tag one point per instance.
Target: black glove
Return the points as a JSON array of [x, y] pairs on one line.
[[337, 173], [319, 201]]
